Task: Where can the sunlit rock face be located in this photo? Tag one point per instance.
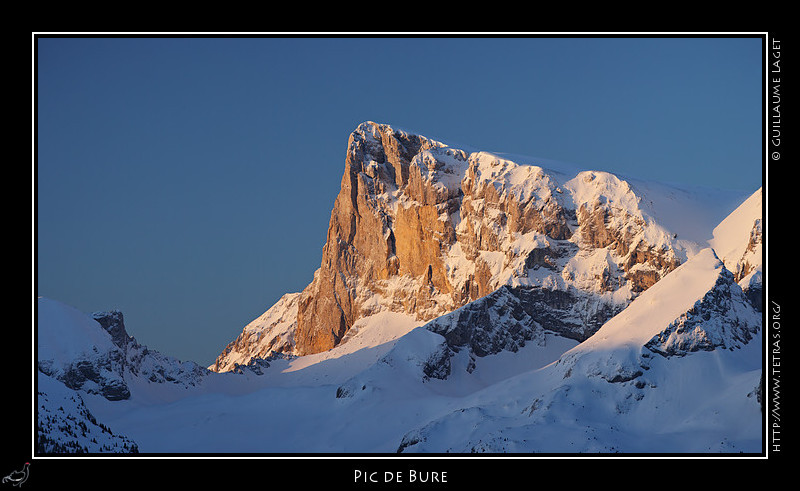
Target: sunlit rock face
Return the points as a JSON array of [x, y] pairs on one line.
[[423, 228]]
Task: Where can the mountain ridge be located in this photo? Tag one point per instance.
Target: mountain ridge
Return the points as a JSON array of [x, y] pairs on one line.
[[424, 228]]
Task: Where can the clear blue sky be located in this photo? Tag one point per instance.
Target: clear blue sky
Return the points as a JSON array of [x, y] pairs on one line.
[[189, 182]]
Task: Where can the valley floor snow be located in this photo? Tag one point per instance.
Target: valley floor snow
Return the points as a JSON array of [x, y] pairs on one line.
[[511, 402]]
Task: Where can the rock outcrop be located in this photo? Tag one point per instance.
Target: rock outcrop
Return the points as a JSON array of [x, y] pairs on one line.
[[722, 319], [509, 317], [423, 228]]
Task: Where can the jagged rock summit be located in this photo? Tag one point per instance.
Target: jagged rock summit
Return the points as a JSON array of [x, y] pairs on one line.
[[423, 228]]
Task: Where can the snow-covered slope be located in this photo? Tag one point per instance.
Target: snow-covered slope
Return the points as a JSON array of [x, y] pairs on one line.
[[369, 340], [65, 426], [737, 239]]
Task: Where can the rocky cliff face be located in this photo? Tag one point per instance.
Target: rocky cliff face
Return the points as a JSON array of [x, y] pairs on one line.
[[422, 228], [390, 222]]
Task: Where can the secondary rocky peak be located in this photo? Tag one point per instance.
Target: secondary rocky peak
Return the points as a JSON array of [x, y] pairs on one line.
[[94, 353], [722, 318]]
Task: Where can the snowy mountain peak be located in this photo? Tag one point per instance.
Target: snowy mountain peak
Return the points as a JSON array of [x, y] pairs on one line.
[[423, 228]]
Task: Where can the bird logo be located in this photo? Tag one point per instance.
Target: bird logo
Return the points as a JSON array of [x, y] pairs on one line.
[[17, 478]]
